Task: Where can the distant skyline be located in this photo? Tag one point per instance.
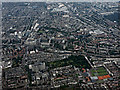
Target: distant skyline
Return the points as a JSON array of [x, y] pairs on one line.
[[60, 0]]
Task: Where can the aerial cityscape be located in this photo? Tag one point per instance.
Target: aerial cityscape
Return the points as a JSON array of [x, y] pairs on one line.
[[60, 46]]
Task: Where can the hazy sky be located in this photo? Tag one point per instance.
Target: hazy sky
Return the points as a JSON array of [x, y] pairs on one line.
[[59, 0]]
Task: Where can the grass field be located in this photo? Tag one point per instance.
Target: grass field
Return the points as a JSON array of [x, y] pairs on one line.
[[100, 71]]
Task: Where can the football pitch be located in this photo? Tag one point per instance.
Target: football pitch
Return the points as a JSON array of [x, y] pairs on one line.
[[99, 71]]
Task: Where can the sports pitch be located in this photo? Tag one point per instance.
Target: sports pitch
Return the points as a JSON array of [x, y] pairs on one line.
[[99, 71]]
